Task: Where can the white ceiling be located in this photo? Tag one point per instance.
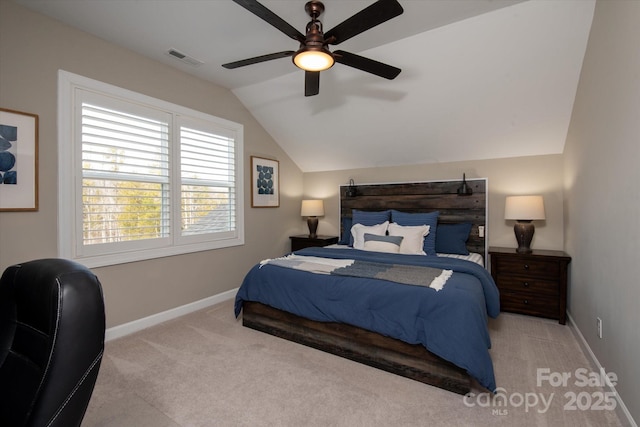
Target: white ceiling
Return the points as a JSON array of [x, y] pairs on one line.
[[480, 78]]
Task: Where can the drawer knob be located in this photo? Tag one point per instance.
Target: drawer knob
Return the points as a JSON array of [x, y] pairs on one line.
[[526, 266], [526, 284], [526, 301]]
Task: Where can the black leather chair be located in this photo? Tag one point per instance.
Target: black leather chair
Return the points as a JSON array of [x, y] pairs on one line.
[[52, 326]]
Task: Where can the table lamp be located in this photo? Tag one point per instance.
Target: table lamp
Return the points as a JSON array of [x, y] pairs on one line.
[[312, 209], [524, 209]]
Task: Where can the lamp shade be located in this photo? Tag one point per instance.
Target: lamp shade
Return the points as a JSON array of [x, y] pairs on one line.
[[525, 208], [312, 208]]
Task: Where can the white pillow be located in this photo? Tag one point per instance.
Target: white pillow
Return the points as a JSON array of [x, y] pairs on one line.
[[413, 237], [358, 230]]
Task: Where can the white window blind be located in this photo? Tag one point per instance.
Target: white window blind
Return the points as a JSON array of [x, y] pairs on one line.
[[125, 176], [141, 178], [208, 182]]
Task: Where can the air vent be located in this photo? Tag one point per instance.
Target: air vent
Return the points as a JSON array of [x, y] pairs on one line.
[[184, 58]]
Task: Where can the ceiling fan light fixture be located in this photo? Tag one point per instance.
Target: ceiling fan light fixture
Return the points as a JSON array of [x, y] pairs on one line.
[[310, 59], [313, 55]]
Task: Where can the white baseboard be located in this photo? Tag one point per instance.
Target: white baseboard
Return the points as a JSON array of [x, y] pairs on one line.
[[155, 319], [621, 408]]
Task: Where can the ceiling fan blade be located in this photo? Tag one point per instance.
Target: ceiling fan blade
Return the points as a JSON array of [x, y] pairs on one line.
[[311, 83], [267, 15], [379, 12], [366, 64], [257, 59]]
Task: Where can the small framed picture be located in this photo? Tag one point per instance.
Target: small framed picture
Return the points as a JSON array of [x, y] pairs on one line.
[[265, 183], [18, 161]]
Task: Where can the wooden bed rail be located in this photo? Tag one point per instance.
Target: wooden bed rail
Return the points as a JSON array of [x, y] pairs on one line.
[[350, 342]]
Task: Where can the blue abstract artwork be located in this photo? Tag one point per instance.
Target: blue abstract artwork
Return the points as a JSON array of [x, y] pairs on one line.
[[264, 182], [8, 164]]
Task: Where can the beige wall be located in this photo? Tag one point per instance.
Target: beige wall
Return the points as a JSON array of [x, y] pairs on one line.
[[32, 49], [602, 176], [510, 176]]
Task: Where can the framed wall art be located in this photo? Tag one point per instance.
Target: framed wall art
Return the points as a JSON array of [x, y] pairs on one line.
[[18, 161], [265, 183]]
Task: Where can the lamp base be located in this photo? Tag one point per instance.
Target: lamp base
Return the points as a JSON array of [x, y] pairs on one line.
[[524, 234], [312, 222]]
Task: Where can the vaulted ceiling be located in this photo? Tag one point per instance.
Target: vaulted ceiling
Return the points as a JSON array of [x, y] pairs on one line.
[[480, 78]]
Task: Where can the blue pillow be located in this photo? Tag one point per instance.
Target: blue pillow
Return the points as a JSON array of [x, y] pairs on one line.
[[452, 238], [345, 238], [375, 243], [367, 218], [430, 219]]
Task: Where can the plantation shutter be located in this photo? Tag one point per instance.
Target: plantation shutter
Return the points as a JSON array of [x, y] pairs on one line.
[[142, 178], [125, 173], [208, 184]]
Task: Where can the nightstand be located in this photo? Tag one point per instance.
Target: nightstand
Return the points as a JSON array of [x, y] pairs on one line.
[[304, 241], [533, 284]]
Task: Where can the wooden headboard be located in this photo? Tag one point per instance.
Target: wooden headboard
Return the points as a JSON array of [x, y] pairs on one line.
[[430, 196]]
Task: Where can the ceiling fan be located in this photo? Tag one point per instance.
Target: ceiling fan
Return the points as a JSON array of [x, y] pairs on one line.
[[313, 55]]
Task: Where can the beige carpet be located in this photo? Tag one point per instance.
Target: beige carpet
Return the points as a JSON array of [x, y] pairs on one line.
[[206, 369]]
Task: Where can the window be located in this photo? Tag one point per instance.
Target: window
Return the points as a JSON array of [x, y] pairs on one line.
[[141, 178]]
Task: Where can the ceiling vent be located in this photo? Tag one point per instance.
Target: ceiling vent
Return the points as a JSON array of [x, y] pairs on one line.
[[184, 58]]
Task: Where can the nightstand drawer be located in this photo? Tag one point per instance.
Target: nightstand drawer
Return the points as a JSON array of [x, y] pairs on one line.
[[523, 303], [529, 267], [524, 284]]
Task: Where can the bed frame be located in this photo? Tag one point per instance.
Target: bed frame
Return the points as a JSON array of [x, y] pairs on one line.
[[360, 345]]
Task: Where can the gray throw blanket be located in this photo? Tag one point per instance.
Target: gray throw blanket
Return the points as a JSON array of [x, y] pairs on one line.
[[434, 278], [406, 274]]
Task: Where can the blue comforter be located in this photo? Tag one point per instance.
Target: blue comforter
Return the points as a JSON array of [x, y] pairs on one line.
[[451, 323]]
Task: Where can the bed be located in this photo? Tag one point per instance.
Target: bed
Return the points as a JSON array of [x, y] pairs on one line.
[[422, 317]]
